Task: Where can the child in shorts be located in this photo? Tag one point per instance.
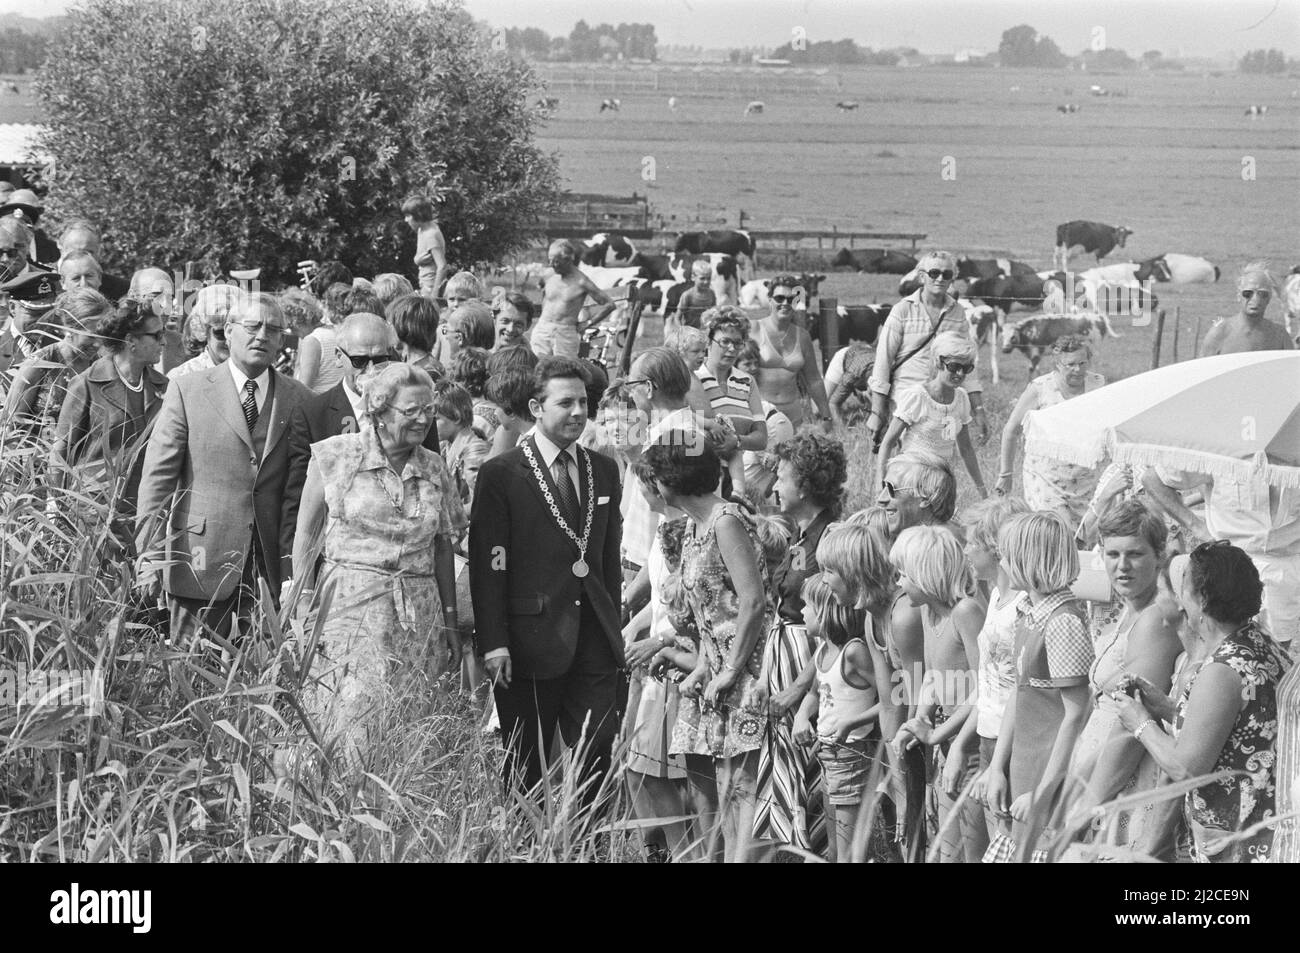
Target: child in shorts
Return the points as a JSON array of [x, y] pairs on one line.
[[845, 704]]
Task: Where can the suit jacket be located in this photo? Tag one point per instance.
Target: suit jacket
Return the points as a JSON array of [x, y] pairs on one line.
[[202, 475], [317, 418], [526, 597]]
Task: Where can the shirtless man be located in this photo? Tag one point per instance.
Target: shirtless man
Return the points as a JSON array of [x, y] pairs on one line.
[[1248, 329], [559, 330]]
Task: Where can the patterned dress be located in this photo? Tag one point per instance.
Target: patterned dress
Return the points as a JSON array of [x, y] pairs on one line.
[[1238, 802], [1286, 842], [381, 639], [735, 726], [1051, 484]]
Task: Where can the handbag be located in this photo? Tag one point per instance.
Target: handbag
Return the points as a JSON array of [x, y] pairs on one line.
[[888, 413]]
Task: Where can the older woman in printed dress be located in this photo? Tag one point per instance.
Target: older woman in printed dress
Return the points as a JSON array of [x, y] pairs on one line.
[[1050, 484], [722, 710], [1226, 716], [393, 513]]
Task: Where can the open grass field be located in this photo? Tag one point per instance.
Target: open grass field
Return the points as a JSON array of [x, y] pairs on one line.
[[1165, 158]]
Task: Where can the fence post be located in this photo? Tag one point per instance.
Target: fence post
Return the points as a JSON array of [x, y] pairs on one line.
[[828, 329], [1196, 341], [1155, 341], [1178, 320]]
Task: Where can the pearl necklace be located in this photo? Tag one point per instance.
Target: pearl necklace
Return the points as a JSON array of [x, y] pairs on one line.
[[133, 388]]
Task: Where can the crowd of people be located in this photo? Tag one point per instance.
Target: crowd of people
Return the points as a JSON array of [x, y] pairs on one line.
[[659, 570]]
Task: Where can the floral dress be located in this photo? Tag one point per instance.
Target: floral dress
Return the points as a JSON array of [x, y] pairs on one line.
[[382, 630], [1051, 484], [735, 726], [1238, 802]]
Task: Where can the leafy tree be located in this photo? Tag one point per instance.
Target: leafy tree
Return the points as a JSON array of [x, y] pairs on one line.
[[260, 132], [1022, 46], [1263, 61]]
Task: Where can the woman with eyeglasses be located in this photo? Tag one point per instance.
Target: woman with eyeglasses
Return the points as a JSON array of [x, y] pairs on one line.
[[106, 415], [1226, 714], [40, 384], [1249, 329], [1051, 484], [391, 512], [732, 396], [934, 416], [788, 374]]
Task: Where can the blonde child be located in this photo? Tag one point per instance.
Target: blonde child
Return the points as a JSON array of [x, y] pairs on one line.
[[934, 576], [845, 704], [997, 639], [934, 416], [696, 299], [1053, 654]]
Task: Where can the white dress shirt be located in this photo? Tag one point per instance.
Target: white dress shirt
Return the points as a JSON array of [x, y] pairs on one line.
[[356, 400]]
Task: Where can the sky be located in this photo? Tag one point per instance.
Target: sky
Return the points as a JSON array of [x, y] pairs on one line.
[[1189, 27]]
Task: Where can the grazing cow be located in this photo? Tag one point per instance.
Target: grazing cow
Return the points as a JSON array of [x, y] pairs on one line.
[[861, 322], [1098, 91], [754, 109], [660, 297], [986, 326], [1126, 271], [756, 293], [659, 267], [1189, 269], [737, 243], [606, 278], [1090, 236], [1125, 297], [607, 249], [877, 261], [672, 104], [613, 105], [1256, 111], [1291, 303], [548, 103], [1035, 336], [846, 105], [968, 267], [1008, 291], [1068, 108], [724, 283]]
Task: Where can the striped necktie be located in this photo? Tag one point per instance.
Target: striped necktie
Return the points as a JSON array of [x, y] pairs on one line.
[[568, 494], [250, 403]]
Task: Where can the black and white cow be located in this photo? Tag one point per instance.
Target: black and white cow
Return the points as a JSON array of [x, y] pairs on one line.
[[608, 249], [846, 105], [877, 261], [613, 105], [1035, 336], [1093, 237], [755, 108]]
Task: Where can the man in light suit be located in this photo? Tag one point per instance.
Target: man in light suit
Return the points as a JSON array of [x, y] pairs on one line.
[[212, 491], [545, 579]]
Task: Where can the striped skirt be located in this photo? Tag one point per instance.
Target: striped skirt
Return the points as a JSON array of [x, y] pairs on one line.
[[789, 805]]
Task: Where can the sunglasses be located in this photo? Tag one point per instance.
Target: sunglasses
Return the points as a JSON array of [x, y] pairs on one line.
[[944, 274], [362, 361], [956, 367], [892, 491], [783, 299], [1248, 293]]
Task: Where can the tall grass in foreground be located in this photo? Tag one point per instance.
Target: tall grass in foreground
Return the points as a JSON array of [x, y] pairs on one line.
[[203, 753]]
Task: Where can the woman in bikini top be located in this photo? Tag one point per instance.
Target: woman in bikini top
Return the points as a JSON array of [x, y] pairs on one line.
[[787, 363]]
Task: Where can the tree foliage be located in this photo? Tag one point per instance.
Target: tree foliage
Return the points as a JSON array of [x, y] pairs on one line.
[[835, 53], [1263, 61], [260, 132], [1022, 46]]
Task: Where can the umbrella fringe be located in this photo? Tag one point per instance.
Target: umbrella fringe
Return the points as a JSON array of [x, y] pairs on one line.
[[1082, 456], [1199, 461]]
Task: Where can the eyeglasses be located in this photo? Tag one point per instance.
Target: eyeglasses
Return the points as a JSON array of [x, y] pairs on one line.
[[272, 330], [1249, 293], [10, 252], [892, 491], [639, 380], [362, 361], [944, 274], [956, 367], [729, 344], [782, 299], [423, 410]]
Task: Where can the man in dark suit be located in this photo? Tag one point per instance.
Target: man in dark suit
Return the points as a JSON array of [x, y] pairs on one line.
[[212, 490], [364, 341], [545, 580]]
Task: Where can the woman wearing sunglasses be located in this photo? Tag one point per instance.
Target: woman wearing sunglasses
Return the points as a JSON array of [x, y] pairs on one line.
[[1050, 484], [391, 513], [1249, 329], [1226, 715], [934, 416], [788, 374]]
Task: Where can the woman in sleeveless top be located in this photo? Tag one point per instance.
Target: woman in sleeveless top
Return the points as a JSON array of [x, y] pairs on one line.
[[1132, 636], [393, 512], [787, 372], [318, 367], [723, 574], [1050, 484]]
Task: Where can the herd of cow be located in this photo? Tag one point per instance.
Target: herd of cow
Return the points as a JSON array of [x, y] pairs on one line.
[[989, 289]]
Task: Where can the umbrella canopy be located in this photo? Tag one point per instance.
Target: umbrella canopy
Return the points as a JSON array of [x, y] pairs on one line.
[[1235, 416]]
